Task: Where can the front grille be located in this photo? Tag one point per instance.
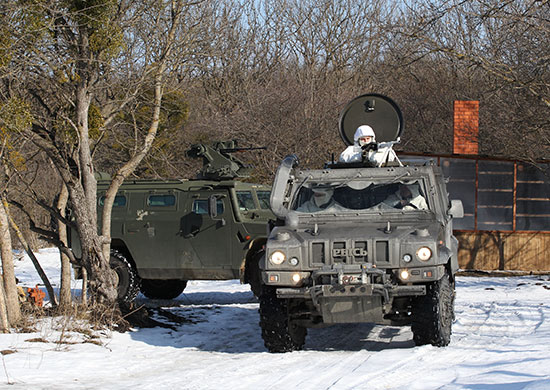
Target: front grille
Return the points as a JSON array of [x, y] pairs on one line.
[[318, 252], [382, 252], [338, 246], [348, 252], [363, 246]]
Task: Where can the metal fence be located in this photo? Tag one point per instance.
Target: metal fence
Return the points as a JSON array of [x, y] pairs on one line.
[[498, 195]]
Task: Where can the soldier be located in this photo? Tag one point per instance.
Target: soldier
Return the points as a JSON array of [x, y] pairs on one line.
[[407, 197], [365, 147], [320, 200]]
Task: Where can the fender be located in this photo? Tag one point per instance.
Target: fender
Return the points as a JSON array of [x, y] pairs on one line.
[[446, 258], [252, 248]]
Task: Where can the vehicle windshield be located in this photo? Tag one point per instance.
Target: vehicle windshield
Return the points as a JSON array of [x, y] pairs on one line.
[[318, 197]]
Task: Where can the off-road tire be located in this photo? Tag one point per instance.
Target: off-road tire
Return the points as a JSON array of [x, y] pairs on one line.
[[253, 275], [162, 289], [128, 285], [433, 314], [278, 332]]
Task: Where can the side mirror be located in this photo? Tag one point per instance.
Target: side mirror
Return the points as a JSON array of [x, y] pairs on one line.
[[213, 206], [456, 210]]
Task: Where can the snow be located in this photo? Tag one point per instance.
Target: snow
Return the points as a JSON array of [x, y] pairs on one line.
[[501, 340]]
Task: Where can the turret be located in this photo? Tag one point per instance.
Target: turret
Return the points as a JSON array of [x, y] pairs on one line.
[[218, 161]]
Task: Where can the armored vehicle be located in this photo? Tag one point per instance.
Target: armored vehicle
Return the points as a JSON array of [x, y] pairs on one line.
[[165, 233], [377, 248]]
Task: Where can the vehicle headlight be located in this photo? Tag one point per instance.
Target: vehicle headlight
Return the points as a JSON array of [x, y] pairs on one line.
[[277, 257], [424, 253], [407, 258], [294, 261]]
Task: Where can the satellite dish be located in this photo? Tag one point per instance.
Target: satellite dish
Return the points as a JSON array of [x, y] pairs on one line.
[[378, 111]]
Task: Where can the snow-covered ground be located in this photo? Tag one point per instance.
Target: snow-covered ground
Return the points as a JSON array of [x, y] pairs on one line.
[[501, 340]]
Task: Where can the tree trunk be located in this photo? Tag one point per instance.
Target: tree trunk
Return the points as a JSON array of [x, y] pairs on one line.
[[102, 280], [83, 194], [10, 287], [4, 324], [84, 286], [65, 289]]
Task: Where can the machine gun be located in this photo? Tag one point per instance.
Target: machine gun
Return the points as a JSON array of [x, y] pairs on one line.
[[218, 161]]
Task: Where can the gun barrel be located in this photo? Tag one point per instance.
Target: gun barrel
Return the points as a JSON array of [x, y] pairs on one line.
[[233, 150]]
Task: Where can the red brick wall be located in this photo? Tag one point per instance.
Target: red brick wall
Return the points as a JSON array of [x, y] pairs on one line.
[[466, 127]]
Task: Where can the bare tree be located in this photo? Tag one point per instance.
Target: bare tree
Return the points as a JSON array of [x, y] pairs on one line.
[[8, 275], [65, 59]]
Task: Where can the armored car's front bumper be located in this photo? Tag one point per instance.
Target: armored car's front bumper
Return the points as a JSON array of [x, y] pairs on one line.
[[350, 304], [350, 294]]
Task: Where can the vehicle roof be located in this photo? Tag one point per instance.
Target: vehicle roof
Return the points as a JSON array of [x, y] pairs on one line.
[[365, 173], [181, 185]]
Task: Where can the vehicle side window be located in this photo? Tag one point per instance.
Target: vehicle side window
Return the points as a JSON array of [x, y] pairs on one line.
[[161, 200], [200, 206], [120, 201], [245, 200], [263, 198]]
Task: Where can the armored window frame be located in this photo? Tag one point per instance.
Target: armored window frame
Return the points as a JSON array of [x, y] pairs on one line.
[[161, 200], [373, 197], [264, 197], [200, 206], [245, 203], [120, 201]]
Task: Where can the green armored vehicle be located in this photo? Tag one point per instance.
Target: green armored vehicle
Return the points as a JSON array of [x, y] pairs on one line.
[[362, 241], [165, 233]]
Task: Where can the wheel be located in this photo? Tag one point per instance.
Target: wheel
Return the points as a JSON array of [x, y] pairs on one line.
[[253, 275], [162, 289], [433, 314], [279, 333], [128, 282]]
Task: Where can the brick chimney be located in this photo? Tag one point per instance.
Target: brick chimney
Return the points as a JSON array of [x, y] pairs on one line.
[[466, 127]]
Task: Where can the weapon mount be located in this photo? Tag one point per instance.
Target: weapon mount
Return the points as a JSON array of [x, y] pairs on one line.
[[218, 161]]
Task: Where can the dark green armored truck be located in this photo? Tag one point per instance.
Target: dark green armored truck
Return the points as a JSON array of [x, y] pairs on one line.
[[165, 233], [363, 241]]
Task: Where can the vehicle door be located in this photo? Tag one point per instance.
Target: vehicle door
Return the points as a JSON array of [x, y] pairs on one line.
[[152, 231], [205, 240]]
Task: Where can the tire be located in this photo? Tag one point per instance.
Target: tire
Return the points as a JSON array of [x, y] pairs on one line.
[[128, 283], [253, 275], [279, 333], [433, 314], [162, 289]]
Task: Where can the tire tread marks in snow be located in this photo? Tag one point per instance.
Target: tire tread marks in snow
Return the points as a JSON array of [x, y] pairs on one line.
[[278, 332], [128, 280], [433, 314]]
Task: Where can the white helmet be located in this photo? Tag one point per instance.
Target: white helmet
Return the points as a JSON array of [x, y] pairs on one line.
[[364, 131]]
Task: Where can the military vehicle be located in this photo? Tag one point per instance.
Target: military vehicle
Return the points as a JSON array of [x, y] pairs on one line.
[[165, 233], [380, 251]]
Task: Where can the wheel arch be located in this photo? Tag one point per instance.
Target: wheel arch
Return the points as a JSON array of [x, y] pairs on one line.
[[254, 247], [120, 246], [449, 258]]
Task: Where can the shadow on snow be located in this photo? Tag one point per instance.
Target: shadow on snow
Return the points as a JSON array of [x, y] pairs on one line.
[[229, 323]]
